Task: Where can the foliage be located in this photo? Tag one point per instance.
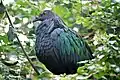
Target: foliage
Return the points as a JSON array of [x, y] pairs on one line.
[[98, 23]]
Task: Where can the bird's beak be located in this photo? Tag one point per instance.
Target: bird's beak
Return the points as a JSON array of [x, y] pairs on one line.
[[37, 18]]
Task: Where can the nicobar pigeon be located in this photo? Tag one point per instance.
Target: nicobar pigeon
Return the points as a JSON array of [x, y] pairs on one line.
[[58, 47]]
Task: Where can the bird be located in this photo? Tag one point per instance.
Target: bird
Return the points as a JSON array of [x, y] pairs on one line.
[[58, 47]]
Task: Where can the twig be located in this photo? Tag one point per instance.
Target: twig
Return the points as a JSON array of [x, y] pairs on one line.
[[21, 45]]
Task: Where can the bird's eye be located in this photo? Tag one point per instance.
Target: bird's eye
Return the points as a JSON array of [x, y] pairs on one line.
[[44, 13]]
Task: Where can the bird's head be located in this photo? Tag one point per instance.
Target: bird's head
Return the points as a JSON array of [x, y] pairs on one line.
[[46, 14]]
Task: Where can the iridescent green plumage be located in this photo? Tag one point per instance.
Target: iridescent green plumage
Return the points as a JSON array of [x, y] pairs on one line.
[[59, 47]]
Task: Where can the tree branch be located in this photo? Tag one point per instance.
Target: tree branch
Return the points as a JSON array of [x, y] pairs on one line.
[[21, 45]]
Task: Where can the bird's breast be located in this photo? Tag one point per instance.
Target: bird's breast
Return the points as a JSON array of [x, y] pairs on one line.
[[45, 44]]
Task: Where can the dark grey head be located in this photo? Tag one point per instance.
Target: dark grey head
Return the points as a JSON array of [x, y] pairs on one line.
[[47, 14]]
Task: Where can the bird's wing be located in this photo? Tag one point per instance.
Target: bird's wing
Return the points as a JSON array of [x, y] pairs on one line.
[[70, 46]]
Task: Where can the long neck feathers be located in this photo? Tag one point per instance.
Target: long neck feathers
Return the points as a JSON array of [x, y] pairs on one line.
[[48, 25]]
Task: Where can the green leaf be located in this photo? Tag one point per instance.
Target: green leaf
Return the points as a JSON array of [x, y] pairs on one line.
[[99, 74]]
